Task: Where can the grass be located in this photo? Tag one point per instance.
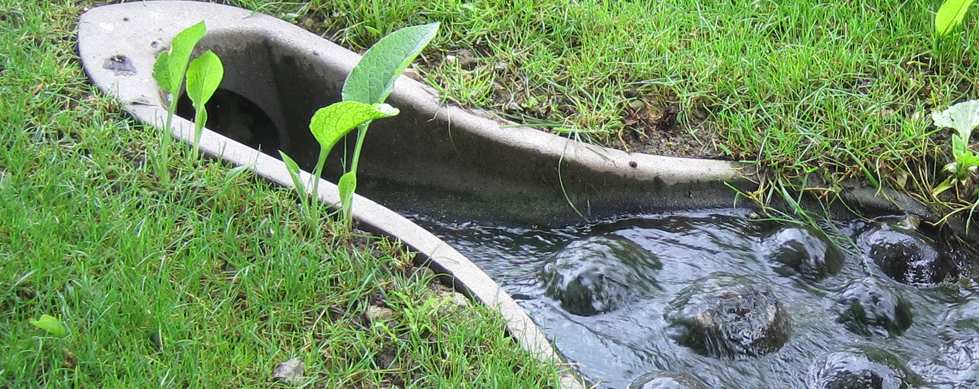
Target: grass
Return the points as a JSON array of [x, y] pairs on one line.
[[209, 281], [842, 89]]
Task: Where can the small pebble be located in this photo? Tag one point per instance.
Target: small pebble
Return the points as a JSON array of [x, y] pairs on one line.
[[379, 314], [290, 372]]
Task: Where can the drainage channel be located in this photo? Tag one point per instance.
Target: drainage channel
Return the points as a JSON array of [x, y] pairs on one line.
[[462, 175]]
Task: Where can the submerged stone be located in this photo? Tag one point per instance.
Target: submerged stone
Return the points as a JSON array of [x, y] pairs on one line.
[[599, 274], [854, 370], [907, 256], [730, 316], [868, 304], [667, 380], [802, 251]]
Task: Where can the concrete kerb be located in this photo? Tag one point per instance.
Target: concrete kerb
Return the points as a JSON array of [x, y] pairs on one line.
[[119, 43]]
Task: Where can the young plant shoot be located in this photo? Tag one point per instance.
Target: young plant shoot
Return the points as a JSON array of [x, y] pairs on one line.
[[168, 71], [372, 81], [364, 92], [963, 117], [203, 78]]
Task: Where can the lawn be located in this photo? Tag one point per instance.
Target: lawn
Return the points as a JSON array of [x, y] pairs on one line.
[[209, 280]]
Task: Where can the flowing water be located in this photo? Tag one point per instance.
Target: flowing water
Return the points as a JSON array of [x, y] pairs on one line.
[[616, 335]]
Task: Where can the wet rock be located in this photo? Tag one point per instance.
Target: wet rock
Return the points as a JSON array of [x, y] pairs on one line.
[[802, 251], [599, 274], [907, 256], [854, 370], [667, 380], [290, 372], [725, 315], [867, 303]]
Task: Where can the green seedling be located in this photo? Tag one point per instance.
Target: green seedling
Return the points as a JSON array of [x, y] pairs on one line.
[[51, 324], [372, 81], [204, 75], [963, 117], [950, 15], [328, 126], [168, 71], [364, 91]]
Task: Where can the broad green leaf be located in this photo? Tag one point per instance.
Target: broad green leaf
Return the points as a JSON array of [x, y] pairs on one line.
[[347, 186], [968, 160], [293, 169], [204, 75], [963, 117], [372, 80], [331, 123], [950, 15], [168, 70], [50, 324], [161, 71]]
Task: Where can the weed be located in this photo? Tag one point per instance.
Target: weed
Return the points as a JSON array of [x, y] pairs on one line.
[[203, 78], [950, 15], [963, 117], [168, 71], [52, 325], [364, 91]]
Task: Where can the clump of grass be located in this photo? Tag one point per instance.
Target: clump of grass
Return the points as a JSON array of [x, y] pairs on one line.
[[210, 281], [843, 88]]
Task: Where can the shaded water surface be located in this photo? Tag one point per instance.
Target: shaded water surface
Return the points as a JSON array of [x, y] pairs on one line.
[[737, 303]]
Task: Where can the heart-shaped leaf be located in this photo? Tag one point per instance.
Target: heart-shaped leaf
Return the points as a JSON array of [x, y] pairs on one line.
[[204, 75], [331, 123], [50, 324], [372, 80]]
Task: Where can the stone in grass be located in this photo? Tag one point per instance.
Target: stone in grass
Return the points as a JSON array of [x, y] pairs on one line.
[[725, 315], [377, 314], [599, 274], [290, 372], [667, 380], [868, 304], [801, 251]]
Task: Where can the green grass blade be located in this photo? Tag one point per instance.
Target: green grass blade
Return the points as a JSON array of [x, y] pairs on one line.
[[372, 80], [293, 169], [950, 15]]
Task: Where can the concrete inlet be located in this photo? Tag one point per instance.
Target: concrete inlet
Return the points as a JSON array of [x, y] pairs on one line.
[[278, 75]]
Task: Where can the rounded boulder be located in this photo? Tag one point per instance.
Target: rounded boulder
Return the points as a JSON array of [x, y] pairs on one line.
[[599, 274], [729, 316]]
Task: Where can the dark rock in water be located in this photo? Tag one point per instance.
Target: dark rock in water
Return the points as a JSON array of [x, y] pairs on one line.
[[667, 380], [799, 250], [868, 303], [599, 274], [854, 370], [725, 315], [907, 256]]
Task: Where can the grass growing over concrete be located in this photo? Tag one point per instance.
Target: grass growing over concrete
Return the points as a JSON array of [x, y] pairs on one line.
[[209, 282], [842, 87]]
